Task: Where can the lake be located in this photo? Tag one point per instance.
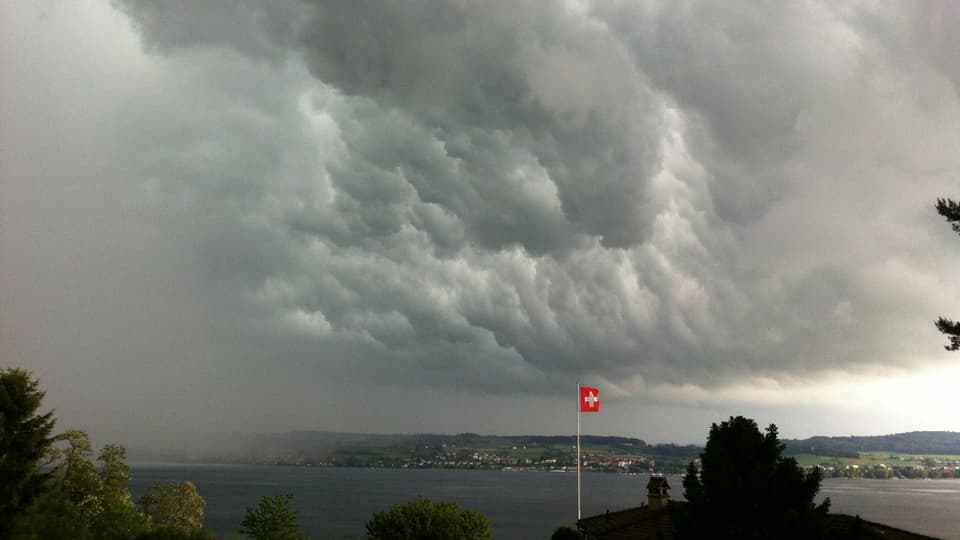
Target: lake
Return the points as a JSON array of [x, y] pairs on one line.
[[334, 503]]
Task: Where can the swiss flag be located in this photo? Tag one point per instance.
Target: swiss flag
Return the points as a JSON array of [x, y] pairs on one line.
[[589, 399]]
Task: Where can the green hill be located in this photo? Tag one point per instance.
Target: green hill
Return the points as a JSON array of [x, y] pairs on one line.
[[914, 442]]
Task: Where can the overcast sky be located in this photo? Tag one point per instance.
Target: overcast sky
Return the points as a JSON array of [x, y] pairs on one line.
[[437, 216]]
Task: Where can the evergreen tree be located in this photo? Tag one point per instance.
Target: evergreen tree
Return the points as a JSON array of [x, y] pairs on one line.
[[746, 489], [273, 519], [950, 209], [25, 438]]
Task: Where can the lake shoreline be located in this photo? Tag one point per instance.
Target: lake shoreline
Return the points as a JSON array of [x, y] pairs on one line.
[[336, 502]]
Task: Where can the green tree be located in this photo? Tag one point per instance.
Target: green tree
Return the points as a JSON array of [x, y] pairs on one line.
[[950, 210], [422, 519], [76, 474], [273, 519], [171, 534], [25, 438], [176, 506], [746, 489], [114, 473], [52, 515], [84, 501], [118, 518], [566, 532]]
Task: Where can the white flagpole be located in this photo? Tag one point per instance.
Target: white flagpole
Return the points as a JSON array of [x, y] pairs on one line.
[[578, 450]]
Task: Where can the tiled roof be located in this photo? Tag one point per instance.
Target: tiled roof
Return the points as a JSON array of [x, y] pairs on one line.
[[658, 482], [645, 523], [844, 526], [634, 523]]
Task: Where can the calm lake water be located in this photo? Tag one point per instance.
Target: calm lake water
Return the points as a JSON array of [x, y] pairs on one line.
[[335, 503]]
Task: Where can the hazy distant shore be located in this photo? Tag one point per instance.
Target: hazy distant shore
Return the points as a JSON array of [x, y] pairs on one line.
[[907, 455]]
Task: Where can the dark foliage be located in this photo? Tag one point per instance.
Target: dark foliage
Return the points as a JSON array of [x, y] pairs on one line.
[[950, 210], [746, 489], [25, 438], [952, 330], [166, 533], [566, 532], [52, 515], [51, 488], [422, 519], [273, 519]]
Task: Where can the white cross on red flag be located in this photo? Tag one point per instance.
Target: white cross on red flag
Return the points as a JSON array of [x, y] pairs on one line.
[[589, 399]]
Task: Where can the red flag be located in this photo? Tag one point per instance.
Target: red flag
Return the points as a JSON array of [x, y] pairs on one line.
[[589, 399]]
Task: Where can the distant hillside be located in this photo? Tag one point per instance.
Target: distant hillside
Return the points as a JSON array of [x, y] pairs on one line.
[[328, 442], [397, 449], [401, 450], [915, 442]]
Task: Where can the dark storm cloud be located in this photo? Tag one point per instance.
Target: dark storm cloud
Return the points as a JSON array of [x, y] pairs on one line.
[[499, 89], [259, 30], [555, 88], [469, 193]]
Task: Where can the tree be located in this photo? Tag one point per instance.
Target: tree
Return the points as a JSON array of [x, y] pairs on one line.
[[24, 441], [83, 502], [115, 473], [118, 517], [273, 519], [746, 489], [171, 534], [174, 505], [52, 515], [76, 474], [422, 519], [566, 532], [49, 488], [950, 210]]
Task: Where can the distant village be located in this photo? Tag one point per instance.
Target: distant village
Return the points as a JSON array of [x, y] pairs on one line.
[[516, 458], [924, 467], [522, 458]]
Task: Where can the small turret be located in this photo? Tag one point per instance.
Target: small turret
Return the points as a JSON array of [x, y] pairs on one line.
[[658, 492]]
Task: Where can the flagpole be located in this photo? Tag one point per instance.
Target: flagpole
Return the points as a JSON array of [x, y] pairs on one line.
[[578, 450]]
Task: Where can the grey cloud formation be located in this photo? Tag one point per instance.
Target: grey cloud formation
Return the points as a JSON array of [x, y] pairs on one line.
[[505, 196], [539, 191]]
